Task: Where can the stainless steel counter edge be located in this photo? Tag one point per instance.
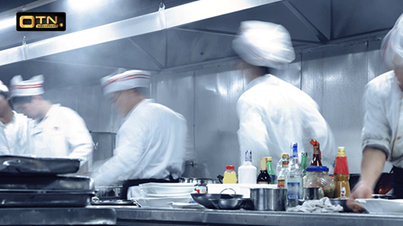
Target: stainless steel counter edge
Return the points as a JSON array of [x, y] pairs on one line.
[[244, 217]]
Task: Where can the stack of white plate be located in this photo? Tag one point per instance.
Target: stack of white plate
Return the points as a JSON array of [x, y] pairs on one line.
[[164, 194]]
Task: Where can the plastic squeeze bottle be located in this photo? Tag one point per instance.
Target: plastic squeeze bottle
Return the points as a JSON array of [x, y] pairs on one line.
[[230, 175], [341, 175]]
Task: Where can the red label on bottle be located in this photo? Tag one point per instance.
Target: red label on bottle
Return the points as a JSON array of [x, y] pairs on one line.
[[281, 183]]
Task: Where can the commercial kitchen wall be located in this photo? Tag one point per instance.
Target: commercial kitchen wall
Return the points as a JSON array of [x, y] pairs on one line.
[[334, 76]]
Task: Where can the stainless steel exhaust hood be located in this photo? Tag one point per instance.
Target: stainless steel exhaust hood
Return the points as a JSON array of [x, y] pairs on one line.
[[186, 32]]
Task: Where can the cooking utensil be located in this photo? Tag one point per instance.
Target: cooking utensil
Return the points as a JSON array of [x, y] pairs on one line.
[[22, 165], [272, 199], [205, 199], [341, 202], [46, 183], [44, 198], [232, 203]]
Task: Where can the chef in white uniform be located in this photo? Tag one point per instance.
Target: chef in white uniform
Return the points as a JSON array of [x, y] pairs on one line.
[[58, 131], [382, 134], [14, 127], [273, 113], [150, 144]]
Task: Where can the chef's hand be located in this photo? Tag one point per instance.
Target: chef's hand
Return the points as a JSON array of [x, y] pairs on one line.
[[361, 191]]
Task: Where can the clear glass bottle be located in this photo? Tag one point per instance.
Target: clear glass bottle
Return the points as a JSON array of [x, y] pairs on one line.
[[280, 164], [247, 172], [263, 177], [304, 162], [294, 179], [282, 176], [270, 171]]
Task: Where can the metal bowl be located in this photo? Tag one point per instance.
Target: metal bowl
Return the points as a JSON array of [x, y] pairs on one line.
[[232, 203], [206, 199]]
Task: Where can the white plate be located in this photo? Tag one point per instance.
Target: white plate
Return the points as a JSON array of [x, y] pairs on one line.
[[167, 195], [166, 188], [162, 202], [185, 205], [166, 185], [382, 206]]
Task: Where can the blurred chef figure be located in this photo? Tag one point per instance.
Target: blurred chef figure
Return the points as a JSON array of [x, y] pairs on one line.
[[383, 126], [273, 113], [150, 144], [57, 131], [14, 127]]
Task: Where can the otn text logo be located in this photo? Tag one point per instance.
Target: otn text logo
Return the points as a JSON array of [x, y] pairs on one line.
[[41, 21]]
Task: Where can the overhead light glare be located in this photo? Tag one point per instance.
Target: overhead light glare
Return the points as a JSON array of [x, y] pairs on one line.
[[7, 22]]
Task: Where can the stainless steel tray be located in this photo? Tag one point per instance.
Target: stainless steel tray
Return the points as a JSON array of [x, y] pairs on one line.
[[22, 165], [46, 182], [44, 198]]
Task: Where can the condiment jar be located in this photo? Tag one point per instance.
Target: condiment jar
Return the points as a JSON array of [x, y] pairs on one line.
[[230, 175], [318, 176]]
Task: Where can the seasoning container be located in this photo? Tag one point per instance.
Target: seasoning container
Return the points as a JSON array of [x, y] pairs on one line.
[[317, 155], [318, 176], [263, 177], [282, 176], [341, 175], [270, 171], [247, 172], [230, 175], [304, 162]]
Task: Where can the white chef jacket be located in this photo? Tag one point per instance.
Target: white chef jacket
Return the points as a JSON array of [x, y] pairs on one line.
[[4, 149], [383, 121], [149, 144], [274, 113], [17, 134], [62, 133]]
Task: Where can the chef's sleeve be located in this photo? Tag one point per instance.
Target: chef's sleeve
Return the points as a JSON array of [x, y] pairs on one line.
[[252, 133], [79, 139], [128, 154], [376, 132]]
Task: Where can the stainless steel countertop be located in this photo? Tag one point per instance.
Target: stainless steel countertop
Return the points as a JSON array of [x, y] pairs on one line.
[[57, 216], [247, 217]]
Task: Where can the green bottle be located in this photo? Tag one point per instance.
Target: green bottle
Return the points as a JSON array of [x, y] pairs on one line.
[[270, 171], [304, 162]]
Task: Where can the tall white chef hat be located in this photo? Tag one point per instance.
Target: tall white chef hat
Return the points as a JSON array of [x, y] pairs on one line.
[[392, 45], [125, 80], [29, 87], [264, 44], [3, 88]]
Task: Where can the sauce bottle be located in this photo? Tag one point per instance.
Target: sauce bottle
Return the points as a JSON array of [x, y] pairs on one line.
[[316, 158], [304, 162], [270, 171], [341, 175], [264, 177], [230, 175]]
